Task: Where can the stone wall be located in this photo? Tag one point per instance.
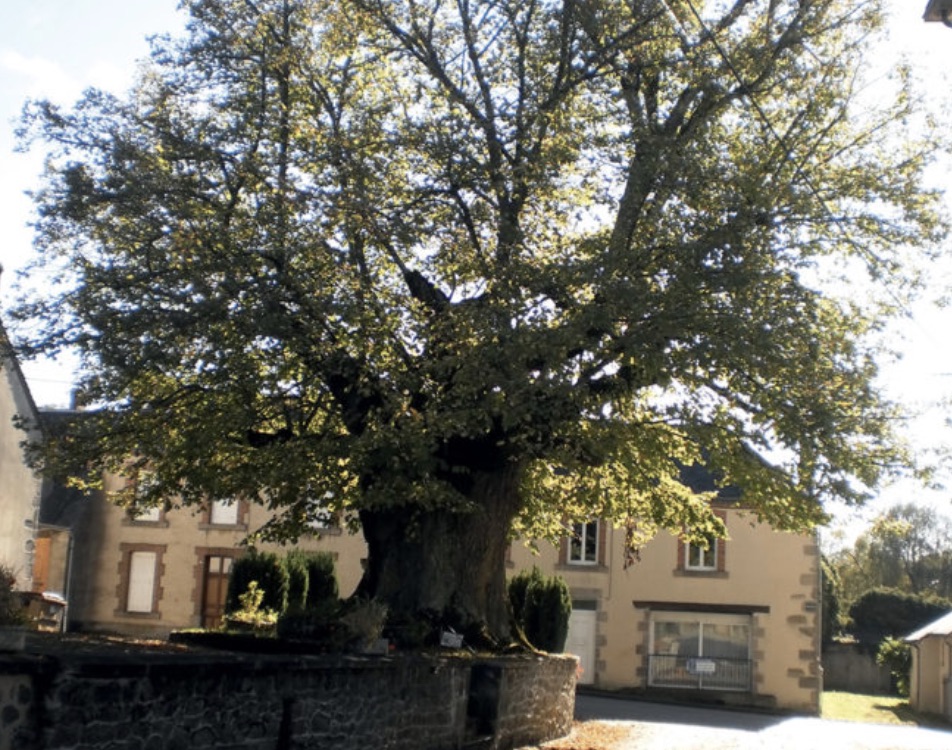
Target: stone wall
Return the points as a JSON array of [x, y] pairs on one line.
[[245, 701]]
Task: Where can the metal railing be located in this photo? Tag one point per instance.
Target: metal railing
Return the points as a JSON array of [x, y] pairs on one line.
[[699, 672]]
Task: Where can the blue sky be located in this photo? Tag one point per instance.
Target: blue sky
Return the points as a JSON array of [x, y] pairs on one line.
[[55, 48]]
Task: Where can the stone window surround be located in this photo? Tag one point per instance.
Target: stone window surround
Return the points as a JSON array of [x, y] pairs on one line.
[[131, 520], [720, 549], [122, 589], [244, 511], [600, 564]]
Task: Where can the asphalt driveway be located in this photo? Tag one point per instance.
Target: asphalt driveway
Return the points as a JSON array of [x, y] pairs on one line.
[[658, 726]]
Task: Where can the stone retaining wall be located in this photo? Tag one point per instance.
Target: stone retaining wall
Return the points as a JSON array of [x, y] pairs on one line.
[[275, 702]]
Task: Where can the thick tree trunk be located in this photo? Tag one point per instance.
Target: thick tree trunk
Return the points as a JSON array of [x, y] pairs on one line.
[[444, 568]]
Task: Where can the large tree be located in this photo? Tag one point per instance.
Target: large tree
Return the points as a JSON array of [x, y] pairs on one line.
[[462, 269]]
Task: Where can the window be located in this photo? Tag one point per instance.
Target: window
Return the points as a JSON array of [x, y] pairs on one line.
[[144, 510], [140, 571], [319, 516], [147, 515], [583, 546], [701, 559], [224, 513], [697, 557], [141, 595], [700, 651]]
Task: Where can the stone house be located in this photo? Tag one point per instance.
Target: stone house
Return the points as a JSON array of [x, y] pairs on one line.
[[736, 623], [168, 568], [20, 489]]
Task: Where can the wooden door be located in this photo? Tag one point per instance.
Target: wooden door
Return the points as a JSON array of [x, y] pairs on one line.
[[215, 589]]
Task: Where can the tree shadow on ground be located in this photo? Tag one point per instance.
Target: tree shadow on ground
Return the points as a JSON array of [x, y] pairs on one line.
[[906, 715]]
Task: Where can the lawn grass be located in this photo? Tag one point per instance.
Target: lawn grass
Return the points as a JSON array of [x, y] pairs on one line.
[[874, 709]]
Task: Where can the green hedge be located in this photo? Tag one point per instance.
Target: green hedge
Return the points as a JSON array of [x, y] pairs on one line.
[[271, 573], [541, 606], [885, 612]]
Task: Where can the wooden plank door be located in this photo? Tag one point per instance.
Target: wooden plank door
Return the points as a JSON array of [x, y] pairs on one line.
[[215, 589]]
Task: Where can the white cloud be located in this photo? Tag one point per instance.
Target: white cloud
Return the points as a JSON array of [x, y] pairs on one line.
[[39, 77]]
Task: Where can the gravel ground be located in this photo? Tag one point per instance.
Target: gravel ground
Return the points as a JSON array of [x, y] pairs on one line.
[[617, 724]]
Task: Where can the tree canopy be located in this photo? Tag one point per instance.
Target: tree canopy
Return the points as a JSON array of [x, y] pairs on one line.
[[505, 264], [907, 547]]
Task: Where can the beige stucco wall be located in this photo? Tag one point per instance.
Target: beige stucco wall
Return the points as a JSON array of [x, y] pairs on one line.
[[930, 669], [19, 486], [774, 575], [182, 540]]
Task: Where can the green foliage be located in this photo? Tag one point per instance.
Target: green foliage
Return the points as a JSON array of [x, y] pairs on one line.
[[541, 606], [896, 655], [361, 248], [884, 612], [518, 588], [270, 575], [250, 613], [831, 601], [298, 580], [319, 623], [364, 620], [12, 611], [321, 577], [908, 547]]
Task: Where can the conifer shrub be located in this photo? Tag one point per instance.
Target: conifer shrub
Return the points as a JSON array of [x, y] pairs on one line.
[[298, 582], [541, 606], [321, 577], [271, 575], [318, 619]]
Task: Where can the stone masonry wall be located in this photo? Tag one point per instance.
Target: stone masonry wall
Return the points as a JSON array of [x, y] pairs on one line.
[[243, 701]]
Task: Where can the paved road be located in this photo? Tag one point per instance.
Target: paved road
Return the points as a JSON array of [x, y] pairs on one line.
[[657, 726]]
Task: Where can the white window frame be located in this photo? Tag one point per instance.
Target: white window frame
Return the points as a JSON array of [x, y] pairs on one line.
[[145, 480], [706, 559], [320, 517], [151, 514], [140, 597], [224, 512], [581, 532]]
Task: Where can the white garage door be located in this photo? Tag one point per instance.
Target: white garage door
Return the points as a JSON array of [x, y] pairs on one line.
[[581, 642]]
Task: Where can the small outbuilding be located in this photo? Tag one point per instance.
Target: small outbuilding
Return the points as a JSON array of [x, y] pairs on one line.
[[930, 681]]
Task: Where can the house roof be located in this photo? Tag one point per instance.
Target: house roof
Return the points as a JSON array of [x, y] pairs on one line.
[[700, 479], [941, 627]]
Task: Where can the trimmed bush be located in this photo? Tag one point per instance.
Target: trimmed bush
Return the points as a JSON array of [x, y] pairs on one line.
[[297, 580], [541, 606], [271, 575], [884, 612], [321, 578], [518, 587]]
